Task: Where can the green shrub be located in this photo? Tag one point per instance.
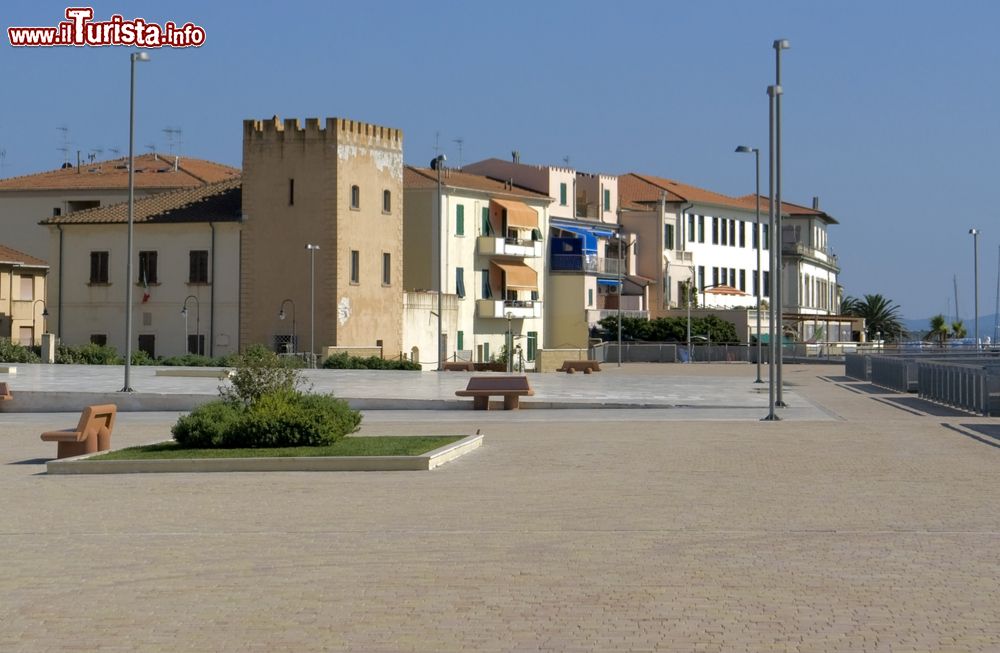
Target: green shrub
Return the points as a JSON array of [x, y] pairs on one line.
[[140, 357], [342, 361], [196, 360], [260, 372], [206, 426], [89, 354], [12, 352]]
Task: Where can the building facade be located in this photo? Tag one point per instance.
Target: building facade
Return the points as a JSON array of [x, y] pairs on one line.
[[185, 273], [488, 251], [337, 186], [22, 297]]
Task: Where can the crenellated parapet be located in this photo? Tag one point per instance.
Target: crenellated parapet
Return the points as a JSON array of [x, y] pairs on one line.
[[335, 130]]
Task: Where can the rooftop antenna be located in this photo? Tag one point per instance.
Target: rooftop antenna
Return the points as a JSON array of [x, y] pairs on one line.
[[461, 142], [3, 159], [173, 137], [437, 144], [64, 147], [151, 147], [116, 151], [566, 160]]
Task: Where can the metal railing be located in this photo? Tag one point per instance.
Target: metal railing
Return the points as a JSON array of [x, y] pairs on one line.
[[894, 372], [966, 386]]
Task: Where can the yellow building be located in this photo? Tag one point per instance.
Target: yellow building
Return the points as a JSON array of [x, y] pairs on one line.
[[336, 186], [22, 296]]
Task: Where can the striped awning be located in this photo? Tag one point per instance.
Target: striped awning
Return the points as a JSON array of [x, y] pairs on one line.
[[518, 276], [519, 214]]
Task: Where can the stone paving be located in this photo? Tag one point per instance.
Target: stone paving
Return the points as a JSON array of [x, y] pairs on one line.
[[874, 528]]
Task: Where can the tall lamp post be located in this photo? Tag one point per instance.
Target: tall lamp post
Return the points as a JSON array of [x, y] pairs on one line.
[[281, 316], [312, 301], [756, 153], [776, 272], [197, 325], [436, 164], [133, 57], [975, 288], [45, 314], [772, 93]]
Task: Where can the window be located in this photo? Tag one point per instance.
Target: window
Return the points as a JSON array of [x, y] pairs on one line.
[[668, 236], [590, 296], [718, 236], [486, 352], [715, 276], [701, 277], [460, 220], [460, 282], [743, 234], [98, 267], [756, 284], [56, 212], [743, 280], [486, 228], [355, 197], [26, 336], [198, 266], [80, 205], [701, 228], [690, 227], [27, 288], [355, 266], [386, 201], [732, 277], [766, 236], [532, 345], [147, 267], [755, 236], [562, 194], [291, 192], [767, 283], [715, 231], [732, 233], [99, 339], [607, 199], [460, 341], [386, 268], [196, 344]]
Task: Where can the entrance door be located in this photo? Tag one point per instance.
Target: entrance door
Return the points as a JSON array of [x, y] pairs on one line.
[[147, 343]]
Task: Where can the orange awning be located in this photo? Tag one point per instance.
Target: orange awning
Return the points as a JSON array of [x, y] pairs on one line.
[[519, 214], [725, 290], [519, 275]]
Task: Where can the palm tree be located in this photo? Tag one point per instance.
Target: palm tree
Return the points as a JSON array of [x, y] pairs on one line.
[[958, 329], [849, 306], [881, 316], [939, 328]]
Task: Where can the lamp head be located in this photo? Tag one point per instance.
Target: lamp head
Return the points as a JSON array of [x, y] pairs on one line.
[[45, 312], [746, 149], [142, 55], [974, 231], [782, 44], [437, 161]]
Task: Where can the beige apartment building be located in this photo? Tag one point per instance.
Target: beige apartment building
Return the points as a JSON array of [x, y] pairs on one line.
[[337, 186], [22, 296], [28, 199], [185, 273]]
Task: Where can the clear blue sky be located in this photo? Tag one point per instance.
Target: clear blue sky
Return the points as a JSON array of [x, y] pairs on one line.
[[891, 109]]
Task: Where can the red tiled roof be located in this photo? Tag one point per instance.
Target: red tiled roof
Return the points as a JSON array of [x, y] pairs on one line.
[[151, 171], [647, 188], [789, 208], [218, 202], [414, 177], [10, 256]]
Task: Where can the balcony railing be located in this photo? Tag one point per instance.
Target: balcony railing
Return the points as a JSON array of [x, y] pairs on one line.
[[586, 263], [798, 249], [494, 246], [501, 308]]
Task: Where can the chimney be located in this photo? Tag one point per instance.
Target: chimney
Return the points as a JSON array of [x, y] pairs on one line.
[[815, 203], [515, 156], [78, 162], [176, 160]]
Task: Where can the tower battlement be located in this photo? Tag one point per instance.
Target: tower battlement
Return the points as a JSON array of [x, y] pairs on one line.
[[338, 130]]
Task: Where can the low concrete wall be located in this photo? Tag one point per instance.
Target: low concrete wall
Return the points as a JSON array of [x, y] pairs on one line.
[[549, 360]]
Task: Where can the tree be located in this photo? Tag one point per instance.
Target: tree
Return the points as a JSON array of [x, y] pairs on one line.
[[939, 328], [881, 315], [958, 329], [849, 306]]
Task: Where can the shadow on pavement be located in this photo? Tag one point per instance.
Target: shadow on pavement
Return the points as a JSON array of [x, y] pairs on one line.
[[991, 440], [924, 406], [31, 461]]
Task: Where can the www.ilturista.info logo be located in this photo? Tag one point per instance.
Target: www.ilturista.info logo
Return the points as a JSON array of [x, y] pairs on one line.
[[79, 29]]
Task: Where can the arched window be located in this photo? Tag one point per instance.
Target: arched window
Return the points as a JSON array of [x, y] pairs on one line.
[[355, 197]]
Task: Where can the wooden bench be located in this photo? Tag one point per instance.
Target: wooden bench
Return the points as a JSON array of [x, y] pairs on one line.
[[459, 366], [92, 434], [5, 394], [585, 366], [511, 388]]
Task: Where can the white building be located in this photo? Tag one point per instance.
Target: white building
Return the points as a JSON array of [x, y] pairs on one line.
[[185, 256], [489, 253]]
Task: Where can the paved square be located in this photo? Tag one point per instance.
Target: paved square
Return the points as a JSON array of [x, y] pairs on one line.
[[867, 524]]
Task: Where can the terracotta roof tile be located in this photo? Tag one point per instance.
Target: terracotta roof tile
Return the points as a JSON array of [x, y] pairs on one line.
[[8, 256], [647, 188], [789, 208], [218, 202], [414, 177], [151, 171]]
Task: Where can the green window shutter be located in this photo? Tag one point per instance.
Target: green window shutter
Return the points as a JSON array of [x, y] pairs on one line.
[[486, 352], [532, 345], [607, 199], [562, 194], [486, 221], [461, 340], [460, 220], [590, 297]]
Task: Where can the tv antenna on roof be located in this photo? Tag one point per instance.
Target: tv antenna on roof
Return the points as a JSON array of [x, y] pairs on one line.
[[460, 141], [151, 147], [3, 159], [566, 160], [173, 137], [64, 147], [116, 151], [437, 143]]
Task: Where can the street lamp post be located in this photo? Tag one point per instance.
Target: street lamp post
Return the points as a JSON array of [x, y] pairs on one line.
[[772, 93], [312, 301], [509, 343], [776, 272], [197, 325], [133, 57], [436, 164], [281, 316], [45, 314], [975, 288], [756, 153]]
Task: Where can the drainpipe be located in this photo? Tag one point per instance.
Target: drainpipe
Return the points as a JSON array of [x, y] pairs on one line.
[[211, 296], [59, 306]]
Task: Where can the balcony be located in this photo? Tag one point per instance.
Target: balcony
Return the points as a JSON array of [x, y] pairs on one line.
[[586, 263], [493, 246], [500, 308], [798, 249]]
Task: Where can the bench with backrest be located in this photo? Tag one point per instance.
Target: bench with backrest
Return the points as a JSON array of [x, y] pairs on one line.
[[511, 388], [5, 392], [585, 366], [459, 366], [92, 434]]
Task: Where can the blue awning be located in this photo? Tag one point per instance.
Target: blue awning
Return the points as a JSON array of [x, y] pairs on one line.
[[608, 282], [589, 234]]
